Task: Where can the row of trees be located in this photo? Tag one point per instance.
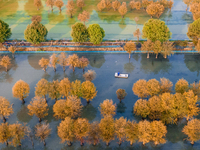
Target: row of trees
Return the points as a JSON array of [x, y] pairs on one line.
[[72, 61], [194, 8], [161, 104]]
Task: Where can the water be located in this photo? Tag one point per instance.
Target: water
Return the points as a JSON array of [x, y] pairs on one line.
[[25, 66], [18, 14]]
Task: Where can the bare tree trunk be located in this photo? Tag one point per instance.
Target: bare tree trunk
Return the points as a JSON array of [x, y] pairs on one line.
[[88, 101], [45, 69], [156, 56], [71, 16], [82, 142], [6, 143], [54, 69], [44, 143], [129, 56], [23, 102], [4, 119], [131, 143], [40, 120], [107, 143], [148, 55], [13, 55], [73, 68], [70, 143], [45, 98], [83, 69], [60, 10], [64, 68], [6, 69], [51, 8], [56, 99]]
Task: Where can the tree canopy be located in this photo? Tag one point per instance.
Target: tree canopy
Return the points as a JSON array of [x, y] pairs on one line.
[[5, 31], [79, 32], [96, 33]]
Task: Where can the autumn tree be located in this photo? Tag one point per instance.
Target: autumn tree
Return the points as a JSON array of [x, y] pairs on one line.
[[84, 16], [155, 9], [187, 2], [141, 108], [101, 5], [131, 130], [5, 31], [18, 133], [115, 5], [76, 88], [193, 31], [81, 128], [108, 4], [66, 130], [140, 88], [89, 75], [138, 5], [79, 32], [36, 18], [123, 9], [42, 131], [181, 86], [107, 129], [107, 108], [165, 85], [21, 90], [155, 29], [146, 3], [83, 62], [54, 90], [88, 91], [62, 59], [50, 3], [144, 132], [147, 47], [12, 49], [192, 108], [157, 47], [59, 4], [71, 8], [130, 47], [96, 33], [195, 87], [120, 131], [158, 131], [35, 33], [197, 47], [192, 130], [38, 107], [44, 63], [38, 4], [5, 133], [5, 62], [132, 4], [153, 87], [121, 94], [94, 133], [53, 61], [42, 88], [137, 34], [73, 61], [167, 48], [65, 87], [5, 108], [80, 4], [170, 4], [59, 109]]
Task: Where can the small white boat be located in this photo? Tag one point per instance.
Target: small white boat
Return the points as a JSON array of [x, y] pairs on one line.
[[121, 75]]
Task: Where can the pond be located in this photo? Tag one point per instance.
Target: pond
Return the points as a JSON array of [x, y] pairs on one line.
[[25, 66], [18, 14]]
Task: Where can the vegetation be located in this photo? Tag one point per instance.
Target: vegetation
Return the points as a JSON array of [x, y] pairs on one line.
[[38, 107], [83, 62], [73, 61], [120, 131], [121, 94], [35, 33], [131, 131], [12, 49], [80, 4], [54, 90], [5, 31], [76, 88], [70, 8], [38, 4], [89, 75], [42, 88], [84, 16], [59, 4], [65, 87], [107, 108], [79, 32], [5, 108], [155, 9], [50, 3], [193, 31], [44, 63], [88, 91], [21, 90], [62, 59], [94, 133], [140, 88], [181, 86], [129, 47], [5, 62], [123, 9], [5, 133], [54, 60], [96, 33]]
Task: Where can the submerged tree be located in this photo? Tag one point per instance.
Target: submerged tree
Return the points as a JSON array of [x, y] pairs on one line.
[[42, 131], [50, 3], [38, 4], [84, 16], [54, 90], [137, 34], [70, 8], [5, 108], [80, 4], [66, 130], [153, 87], [38, 107], [121, 94], [54, 60], [131, 130], [140, 88], [147, 47], [36, 18], [192, 130], [5, 62], [120, 131], [167, 48], [144, 132], [107, 129], [115, 5], [59, 4], [65, 87], [18, 132], [88, 91], [89, 75], [76, 88], [44, 63], [181, 86], [83, 62], [107, 108], [129, 47], [81, 128], [94, 133], [73, 61], [5, 133], [21, 90], [12, 49], [157, 48], [165, 85], [141, 108], [63, 60], [155, 9], [42, 88], [59, 109], [123, 9]]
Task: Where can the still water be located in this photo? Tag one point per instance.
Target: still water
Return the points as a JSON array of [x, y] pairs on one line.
[[25, 66]]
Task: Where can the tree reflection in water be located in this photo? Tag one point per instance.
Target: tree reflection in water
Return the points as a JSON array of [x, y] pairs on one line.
[[33, 60], [22, 114], [129, 67], [121, 107], [89, 112], [96, 60], [192, 62]]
